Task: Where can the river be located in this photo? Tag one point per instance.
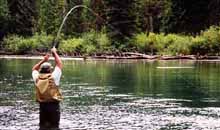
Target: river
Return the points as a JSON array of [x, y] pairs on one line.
[[117, 95]]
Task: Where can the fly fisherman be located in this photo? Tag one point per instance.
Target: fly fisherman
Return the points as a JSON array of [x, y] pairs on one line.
[[48, 94]]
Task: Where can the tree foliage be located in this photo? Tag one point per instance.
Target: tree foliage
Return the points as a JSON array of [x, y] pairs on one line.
[[122, 19], [214, 12], [4, 15], [51, 13], [98, 6], [189, 16], [74, 22], [153, 15], [22, 16]]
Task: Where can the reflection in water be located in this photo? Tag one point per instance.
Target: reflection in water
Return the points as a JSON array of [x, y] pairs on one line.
[[117, 95]]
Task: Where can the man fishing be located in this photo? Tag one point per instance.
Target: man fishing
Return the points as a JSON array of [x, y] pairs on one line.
[[48, 94]]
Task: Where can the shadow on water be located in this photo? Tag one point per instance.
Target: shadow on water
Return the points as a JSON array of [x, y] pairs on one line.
[[117, 95]]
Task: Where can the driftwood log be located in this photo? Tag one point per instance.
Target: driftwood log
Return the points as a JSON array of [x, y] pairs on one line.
[[189, 57], [140, 55], [122, 55], [126, 55], [134, 55]]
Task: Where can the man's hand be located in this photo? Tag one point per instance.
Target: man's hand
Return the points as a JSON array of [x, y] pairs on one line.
[[46, 57], [37, 66], [53, 50]]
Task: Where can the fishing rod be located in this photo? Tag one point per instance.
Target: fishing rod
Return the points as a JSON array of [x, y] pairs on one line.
[[55, 41]]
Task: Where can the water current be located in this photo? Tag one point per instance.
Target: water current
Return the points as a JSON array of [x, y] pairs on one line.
[[117, 95]]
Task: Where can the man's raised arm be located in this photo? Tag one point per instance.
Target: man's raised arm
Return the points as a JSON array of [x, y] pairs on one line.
[[57, 58], [37, 66]]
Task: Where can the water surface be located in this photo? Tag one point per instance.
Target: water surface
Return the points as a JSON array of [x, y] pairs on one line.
[[118, 95]]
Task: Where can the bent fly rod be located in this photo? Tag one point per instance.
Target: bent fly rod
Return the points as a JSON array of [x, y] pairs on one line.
[[55, 41]]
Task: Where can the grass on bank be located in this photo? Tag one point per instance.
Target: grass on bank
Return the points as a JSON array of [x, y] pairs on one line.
[[91, 43]]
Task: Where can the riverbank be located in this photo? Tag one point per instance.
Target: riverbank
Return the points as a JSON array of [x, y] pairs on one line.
[[125, 56], [34, 57], [98, 45]]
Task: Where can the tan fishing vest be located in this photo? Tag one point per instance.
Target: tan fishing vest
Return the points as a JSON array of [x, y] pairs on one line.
[[46, 89]]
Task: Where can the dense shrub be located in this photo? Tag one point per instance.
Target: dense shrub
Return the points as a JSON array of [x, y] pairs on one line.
[[95, 42], [43, 41], [90, 43], [212, 36], [171, 44], [207, 43], [19, 45], [73, 45], [146, 43], [199, 46], [178, 45]]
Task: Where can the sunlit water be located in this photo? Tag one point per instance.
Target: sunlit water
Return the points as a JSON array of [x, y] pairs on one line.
[[117, 95]]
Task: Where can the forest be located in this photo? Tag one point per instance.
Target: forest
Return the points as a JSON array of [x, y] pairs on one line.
[[154, 27]]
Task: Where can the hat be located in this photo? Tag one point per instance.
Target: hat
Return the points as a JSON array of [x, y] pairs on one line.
[[45, 66]]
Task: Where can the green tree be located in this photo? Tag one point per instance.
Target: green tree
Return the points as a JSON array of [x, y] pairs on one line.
[[214, 12], [3, 18], [73, 24], [152, 14], [51, 13], [188, 16], [23, 15], [98, 6], [122, 20]]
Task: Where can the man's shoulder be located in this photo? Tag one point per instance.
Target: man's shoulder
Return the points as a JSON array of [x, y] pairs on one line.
[[35, 72], [57, 71]]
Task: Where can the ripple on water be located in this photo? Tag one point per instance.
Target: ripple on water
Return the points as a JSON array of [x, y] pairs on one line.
[[95, 108], [137, 114], [143, 114]]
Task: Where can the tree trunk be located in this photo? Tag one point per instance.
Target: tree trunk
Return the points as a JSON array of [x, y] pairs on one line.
[[151, 24]]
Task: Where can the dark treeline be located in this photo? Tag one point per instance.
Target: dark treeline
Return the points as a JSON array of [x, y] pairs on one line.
[[120, 18], [25, 17]]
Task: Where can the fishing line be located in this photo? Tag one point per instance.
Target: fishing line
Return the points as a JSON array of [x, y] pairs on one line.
[[55, 41]]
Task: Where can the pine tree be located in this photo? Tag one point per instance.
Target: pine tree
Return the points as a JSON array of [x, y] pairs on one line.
[[98, 6], [23, 16], [189, 16], [51, 13], [3, 18], [214, 12], [121, 17], [152, 14], [73, 24]]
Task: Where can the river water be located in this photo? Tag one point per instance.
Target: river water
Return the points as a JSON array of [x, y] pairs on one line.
[[117, 95]]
